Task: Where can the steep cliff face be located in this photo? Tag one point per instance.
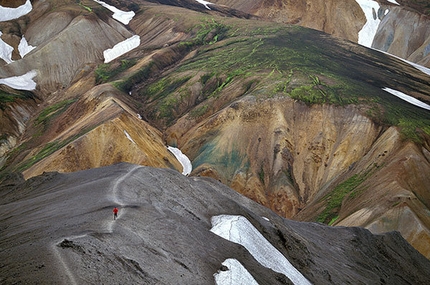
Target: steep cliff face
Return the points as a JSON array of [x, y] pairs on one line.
[[340, 18], [280, 152], [99, 130], [323, 163], [406, 34], [402, 31], [14, 118]]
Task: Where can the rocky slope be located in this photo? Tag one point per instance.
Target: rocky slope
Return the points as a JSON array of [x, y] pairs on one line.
[[402, 27], [63, 233], [289, 116]]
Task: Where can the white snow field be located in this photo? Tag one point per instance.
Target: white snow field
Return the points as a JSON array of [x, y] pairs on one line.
[[24, 47], [5, 50], [239, 230], [7, 13], [22, 82], [183, 159], [205, 3], [121, 48], [407, 98], [121, 16], [235, 275], [367, 33]]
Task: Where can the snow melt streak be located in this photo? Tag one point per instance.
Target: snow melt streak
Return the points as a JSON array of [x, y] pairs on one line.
[[235, 275], [203, 2], [239, 230], [7, 13], [183, 159], [407, 98], [367, 33], [121, 16], [121, 48]]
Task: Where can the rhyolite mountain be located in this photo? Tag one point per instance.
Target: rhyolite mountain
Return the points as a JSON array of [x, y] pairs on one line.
[[294, 118]]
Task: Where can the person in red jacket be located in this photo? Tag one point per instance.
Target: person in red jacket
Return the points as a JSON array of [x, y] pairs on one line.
[[115, 213]]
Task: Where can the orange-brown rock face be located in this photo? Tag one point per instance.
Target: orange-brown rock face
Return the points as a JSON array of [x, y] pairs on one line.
[[101, 130], [406, 34], [279, 148], [286, 155], [340, 18]]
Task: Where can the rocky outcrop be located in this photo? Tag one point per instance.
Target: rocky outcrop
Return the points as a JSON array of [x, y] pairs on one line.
[[279, 152], [69, 39], [100, 130], [14, 119], [406, 34], [340, 18]]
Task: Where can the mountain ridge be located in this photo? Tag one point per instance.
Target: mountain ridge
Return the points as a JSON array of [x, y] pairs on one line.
[[292, 117]]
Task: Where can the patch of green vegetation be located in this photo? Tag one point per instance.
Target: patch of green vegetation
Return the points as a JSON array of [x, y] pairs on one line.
[[198, 111], [6, 97], [335, 198], [303, 64], [168, 95], [126, 84], [47, 150], [84, 6], [52, 110], [204, 78], [164, 87], [208, 32], [106, 71], [261, 174]]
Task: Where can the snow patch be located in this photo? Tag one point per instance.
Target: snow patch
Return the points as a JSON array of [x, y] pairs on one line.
[[205, 3], [5, 50], [7, 13], [394, 2], [424, 69], [235, 275], [183, 159], [121, 16], [368, 32], [121, 48], [22, 82], [407, 98], [24, 47], [129, 137], [239, 230]]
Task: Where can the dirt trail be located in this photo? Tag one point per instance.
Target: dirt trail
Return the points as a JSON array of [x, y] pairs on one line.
[[107, 225]]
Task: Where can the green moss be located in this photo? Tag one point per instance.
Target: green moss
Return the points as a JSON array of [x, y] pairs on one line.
[[52, 110], [6, 97], [261, 174], [47, 150], [208, 32], [107, 71], [199, 111], [125, 84], [335, 198]]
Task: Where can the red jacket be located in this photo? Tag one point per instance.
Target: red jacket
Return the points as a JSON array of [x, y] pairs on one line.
[[115, 210]]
